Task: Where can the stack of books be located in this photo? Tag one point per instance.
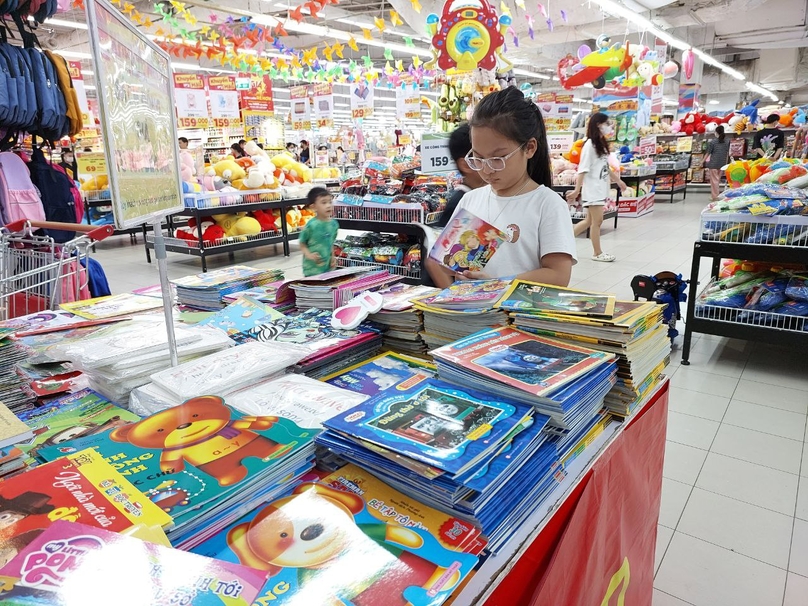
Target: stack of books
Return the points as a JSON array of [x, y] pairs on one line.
[[335, 289], [401, 323], [349, 538], [266, 294], [566, 382], [459, 450], [206, 290], [13, 432], [633, 331], [443, 326], [113, 306], [14, 392]]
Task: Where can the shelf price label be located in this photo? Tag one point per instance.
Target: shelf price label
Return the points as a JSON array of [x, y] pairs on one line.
[[193, 122], [559, 141], [684, 144], [435, 156], [647, 145], [91, 163]]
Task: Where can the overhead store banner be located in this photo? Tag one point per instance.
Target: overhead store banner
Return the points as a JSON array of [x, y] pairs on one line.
[[408, 103], [323, 98], [259, 97], [361, 100], [224, 107], [78, 83], [301, 107], [191, 100]]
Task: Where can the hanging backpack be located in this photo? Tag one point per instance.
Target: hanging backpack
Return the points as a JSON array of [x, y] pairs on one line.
[[69, 92], [57, 197], [77, 199], [19, 199]]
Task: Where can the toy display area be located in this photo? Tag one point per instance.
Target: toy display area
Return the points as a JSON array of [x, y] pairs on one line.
[[191, 414]]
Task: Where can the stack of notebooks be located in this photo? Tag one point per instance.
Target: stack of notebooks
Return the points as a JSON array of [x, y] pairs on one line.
[[633, 331], [13, 433], [14, 392], [479, 457], [462, 309], [401, 323], [329, 348], [566, 382], [205, 290], [335, 289]]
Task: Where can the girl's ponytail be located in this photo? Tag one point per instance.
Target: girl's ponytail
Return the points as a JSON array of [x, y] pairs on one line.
[[520, 120]]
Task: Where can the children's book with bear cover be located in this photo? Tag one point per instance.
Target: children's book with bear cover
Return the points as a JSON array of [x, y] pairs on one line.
[[351, 539], [75, 563]]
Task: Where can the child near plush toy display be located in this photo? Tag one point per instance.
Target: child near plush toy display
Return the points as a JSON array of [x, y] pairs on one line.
[[318, 236]]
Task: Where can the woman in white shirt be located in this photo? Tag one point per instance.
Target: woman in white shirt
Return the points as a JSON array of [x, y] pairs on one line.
[[509, 152], [594, 177]]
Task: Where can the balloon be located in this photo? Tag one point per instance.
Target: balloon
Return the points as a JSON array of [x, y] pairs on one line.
[[688, 63], [670, 69]]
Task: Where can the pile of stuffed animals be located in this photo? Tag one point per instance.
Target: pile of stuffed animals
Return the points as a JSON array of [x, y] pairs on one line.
[[743, 120], [233, 227]]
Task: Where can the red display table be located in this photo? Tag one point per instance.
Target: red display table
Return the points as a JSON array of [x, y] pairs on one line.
[[592, 541]]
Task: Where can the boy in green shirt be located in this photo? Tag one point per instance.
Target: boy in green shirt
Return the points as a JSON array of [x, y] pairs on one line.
[[318, 236]]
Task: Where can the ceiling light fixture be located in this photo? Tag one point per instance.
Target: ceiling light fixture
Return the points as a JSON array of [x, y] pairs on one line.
[[63, 23], [713, 102], [525, 72], [762, 91]]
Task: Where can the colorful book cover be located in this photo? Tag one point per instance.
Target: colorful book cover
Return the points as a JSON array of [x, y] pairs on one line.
[[263, 294], [76, 563], [533, 364], [398, 297], [433, 422], [80, 488], [12, 430], [70, 417], [112, 306], [185, 456], [242, 315], [387, 371], [40, 319], [219, 277], [58, 384], [471, 294], [351, 539], [467, 243], [526, 296]]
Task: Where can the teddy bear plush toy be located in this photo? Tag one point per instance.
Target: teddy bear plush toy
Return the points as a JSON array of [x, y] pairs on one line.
[[693, 123]]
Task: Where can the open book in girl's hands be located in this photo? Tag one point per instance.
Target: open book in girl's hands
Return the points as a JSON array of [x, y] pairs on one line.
[[467, 243]]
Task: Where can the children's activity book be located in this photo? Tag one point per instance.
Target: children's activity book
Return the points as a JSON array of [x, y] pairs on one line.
[[387, 371], [526, 296], [243, 314], [467, 243], [470, 294]]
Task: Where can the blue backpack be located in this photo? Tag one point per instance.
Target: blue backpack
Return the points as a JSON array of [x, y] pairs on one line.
[[57, 197]]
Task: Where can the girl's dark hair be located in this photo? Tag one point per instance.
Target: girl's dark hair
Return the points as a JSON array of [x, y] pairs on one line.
[[239, 149], [316, 192], [595, 136], [519, 119], [719, 130], [460, 141]]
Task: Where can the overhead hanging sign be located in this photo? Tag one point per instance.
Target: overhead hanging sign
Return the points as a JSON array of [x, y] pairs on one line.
[[136, 102], [78, 84], [191, 100], [323, 99], [408, 103], [224, 108], [301, 107], [259, 97], [361, 100]]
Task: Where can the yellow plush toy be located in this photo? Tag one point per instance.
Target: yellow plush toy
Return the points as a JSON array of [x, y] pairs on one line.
[[228, 170], [96, 183], [247, 226], [228, 223]]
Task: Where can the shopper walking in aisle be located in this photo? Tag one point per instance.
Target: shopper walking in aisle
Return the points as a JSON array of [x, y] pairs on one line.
[[509, 152], [318, 236], [593, 184], [68, 163], [770, 141], [305, 152], [717, 158], [342, 157]]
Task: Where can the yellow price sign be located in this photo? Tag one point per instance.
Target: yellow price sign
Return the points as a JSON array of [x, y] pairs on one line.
[[325, 122], [91, 163], [193, 122], [684, 144]]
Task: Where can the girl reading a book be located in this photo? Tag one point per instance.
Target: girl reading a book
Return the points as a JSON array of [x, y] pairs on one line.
[[509, 152]]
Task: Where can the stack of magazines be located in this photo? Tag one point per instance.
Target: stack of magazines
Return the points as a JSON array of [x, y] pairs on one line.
[[266, 294], [13, 389], [633, 331], [336, 288], [401, 323], [445, 324], [206, 290]]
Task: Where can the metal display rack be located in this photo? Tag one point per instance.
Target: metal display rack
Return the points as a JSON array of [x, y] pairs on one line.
[[205, 205], [681, 189], [766, 239], [102, 199]]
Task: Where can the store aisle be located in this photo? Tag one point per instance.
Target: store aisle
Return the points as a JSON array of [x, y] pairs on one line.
[[733, 530]]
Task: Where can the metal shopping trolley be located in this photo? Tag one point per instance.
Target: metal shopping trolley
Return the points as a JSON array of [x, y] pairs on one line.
[[37, 273]]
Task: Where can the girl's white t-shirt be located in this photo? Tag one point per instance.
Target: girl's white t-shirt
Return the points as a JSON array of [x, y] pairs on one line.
[[595, 169], [537, 223]]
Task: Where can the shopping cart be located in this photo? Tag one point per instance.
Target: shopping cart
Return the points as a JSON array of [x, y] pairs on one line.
[[37, 273]]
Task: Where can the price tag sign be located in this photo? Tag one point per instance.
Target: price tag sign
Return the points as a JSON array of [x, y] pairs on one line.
[[91, 163], [192, 122], [559, 142], [647, 145], [362, 112], [684, 144], [243, 83], [435, 156]]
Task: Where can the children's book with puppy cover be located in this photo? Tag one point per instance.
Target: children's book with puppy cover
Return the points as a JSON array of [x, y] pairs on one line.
[[467, 243], [79, 564], [351, 539], [434, 422]]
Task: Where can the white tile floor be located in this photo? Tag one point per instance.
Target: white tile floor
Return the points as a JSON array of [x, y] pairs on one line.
[[733, 527]]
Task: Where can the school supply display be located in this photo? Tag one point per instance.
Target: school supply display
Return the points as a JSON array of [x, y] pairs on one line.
[[444, 326], [467, 243], [337, 291], [112, 306], [244, 313]]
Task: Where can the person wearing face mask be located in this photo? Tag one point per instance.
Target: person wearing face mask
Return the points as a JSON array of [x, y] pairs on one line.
[[68, 163], [594, 177]]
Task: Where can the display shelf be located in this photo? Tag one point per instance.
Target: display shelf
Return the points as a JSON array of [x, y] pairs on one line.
[[243, 200], [787, 231], [382, 213], [411, 275], [675, 189], [728, 324]]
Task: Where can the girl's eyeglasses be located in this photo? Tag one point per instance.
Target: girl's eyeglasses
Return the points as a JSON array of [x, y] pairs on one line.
[[493, 164]]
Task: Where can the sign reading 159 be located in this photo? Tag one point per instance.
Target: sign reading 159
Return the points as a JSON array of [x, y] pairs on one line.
[[439, 161]]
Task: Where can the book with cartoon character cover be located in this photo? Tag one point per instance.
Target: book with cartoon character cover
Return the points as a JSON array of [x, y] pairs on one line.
[[437, 423], [351, 539], [70, 417], [467, 243], [70, 560], [470, 294], [83, 488], [387, 371], [193, 459], [112, 306], [532, 297], [243, 314]]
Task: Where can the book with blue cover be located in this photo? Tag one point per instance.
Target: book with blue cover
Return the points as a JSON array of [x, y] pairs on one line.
[[243, 314], [387, 371], [434, 422]]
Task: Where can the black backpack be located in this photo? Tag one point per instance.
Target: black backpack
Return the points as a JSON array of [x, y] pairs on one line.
[[57, 198]]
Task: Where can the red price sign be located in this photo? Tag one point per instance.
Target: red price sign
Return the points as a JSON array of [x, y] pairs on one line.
[[647, 145]]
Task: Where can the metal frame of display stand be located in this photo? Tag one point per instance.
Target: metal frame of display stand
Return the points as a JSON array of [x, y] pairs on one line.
[[682, 189]]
